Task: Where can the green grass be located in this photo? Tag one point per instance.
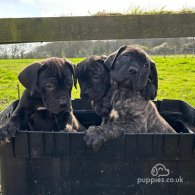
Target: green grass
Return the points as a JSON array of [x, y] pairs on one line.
[[176, 78]]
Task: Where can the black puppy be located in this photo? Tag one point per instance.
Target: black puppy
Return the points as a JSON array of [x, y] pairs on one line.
[[94, 80], [134, 82], [48, 85]]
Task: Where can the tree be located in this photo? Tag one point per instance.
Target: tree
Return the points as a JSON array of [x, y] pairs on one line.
[[3, 51], [22, 49], [14, 50], [163, 49]]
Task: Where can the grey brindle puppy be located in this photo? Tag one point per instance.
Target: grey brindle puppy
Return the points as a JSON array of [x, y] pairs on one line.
[[133, 79], [94, 80], [48, 85]]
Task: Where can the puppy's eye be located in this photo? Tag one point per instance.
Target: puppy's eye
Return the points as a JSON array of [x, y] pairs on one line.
[[49, 85]]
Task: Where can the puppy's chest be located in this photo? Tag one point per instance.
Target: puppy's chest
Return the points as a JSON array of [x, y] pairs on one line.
[[125, 110]]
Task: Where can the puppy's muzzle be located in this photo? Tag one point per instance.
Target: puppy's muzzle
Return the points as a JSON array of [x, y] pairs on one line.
[[62, 101], [133, 70]]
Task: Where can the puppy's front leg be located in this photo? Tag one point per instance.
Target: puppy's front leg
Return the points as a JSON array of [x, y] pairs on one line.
[[72, 124], [14, 123], [68, 120], [96, 135], [18, 117]]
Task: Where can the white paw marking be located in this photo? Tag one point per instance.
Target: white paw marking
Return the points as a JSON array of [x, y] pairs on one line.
[[69, 127]]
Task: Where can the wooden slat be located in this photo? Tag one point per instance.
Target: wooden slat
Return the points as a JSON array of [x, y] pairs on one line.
[[18, 30]]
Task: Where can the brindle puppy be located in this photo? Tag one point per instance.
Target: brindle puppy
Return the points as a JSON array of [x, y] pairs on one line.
[[133, 78], [94, 80], [48, 84]]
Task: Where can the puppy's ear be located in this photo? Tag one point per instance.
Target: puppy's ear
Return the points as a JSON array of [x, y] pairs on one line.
[[150, 91], [28, 77], [154, 78], [153, 75], [109, 62], [101, 60], [75, 76], [73, 71]]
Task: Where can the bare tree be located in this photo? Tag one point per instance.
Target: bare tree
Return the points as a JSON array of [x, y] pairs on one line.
[[3, 51], [22, 49], [14, 50], [164, 48]]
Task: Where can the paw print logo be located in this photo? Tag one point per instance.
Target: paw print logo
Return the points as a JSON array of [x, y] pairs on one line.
[[160, 170]]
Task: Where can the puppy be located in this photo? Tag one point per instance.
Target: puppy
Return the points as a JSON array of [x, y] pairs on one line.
[[134, 82], [48, 85], [94, 80]]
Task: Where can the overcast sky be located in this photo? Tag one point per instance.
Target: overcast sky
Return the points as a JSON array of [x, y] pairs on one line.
[[40, 8]]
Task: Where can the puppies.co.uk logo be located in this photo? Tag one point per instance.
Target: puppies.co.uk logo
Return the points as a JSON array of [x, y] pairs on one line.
[[160, 170], [159, 174]]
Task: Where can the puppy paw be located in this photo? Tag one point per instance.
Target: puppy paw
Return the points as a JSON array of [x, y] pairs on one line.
[[94, 137], [8, 132], [69, 129], [3, 142]]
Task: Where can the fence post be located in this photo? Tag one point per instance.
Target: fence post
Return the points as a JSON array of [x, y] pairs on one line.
[[18, 89]]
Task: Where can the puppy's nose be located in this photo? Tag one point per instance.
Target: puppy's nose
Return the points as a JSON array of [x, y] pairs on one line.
[[62, 101], [132, 70]]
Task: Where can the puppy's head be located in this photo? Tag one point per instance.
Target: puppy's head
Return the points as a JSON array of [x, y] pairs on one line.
[[93, 78], [52, 81], [131, 67]]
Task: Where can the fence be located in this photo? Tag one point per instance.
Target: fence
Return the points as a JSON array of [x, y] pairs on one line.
[[24, 30]]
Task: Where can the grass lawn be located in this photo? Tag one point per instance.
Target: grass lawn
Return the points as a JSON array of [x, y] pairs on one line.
[[176, 78]]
